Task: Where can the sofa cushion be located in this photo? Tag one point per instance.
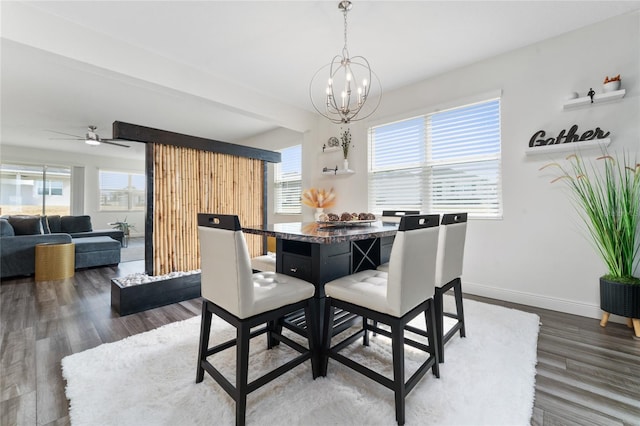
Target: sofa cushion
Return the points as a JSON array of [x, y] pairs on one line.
[[26, 225], [6, 230], [54, 224], [71, 224], [89, 244]]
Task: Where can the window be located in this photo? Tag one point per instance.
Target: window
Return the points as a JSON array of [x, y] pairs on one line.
[[121, 191], [50, 187], [444, 162], [35, 189], [288, 181]]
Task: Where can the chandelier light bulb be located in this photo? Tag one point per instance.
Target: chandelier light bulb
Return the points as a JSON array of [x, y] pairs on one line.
[[354, 68]]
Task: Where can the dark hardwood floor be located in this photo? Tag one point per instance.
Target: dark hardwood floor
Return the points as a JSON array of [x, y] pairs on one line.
[[586, 375]]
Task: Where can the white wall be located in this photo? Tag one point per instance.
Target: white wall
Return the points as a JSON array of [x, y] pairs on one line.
[[92, 164], [275, 140], [537, 254]]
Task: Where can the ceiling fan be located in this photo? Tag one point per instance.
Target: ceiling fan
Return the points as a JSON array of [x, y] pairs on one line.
[[90, 138]]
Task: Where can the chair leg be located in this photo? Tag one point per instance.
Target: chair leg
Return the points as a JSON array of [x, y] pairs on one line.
[[457, 291], [310, 318], [435, 347], [205, 329], [326, 336], [274, 327], [397, 342], [242, 372], [439, 322], [365, 327]]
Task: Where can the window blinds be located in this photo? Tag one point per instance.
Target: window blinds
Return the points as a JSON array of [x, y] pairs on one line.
[[288, 181], [443, 162]]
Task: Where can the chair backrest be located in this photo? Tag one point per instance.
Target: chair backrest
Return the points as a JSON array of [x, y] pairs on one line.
[[453, 233], [412, 264], [395, 215], [226, 275]]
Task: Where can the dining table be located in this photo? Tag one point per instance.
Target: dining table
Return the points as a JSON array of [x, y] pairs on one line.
[[321, 252]]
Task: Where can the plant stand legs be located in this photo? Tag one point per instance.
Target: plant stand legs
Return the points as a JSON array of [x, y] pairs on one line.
[[631, 323]]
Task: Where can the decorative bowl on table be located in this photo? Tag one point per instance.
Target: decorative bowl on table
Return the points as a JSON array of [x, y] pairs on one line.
[[346, 219]]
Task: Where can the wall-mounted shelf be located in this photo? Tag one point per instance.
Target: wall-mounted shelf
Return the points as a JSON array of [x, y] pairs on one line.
[[338, 172], [597, 99], [563, 147]]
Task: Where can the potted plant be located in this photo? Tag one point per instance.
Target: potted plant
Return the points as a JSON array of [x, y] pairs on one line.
[[608, 200], [125, 227], [318, 199], [345, 143]]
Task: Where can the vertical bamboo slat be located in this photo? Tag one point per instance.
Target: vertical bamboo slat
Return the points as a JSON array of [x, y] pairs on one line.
[[188, 182]]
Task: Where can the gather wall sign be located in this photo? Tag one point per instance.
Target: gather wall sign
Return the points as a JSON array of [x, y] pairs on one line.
[[569, 139]]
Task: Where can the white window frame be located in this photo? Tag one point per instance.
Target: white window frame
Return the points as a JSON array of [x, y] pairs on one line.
[[403, 178], [290, 181], [130, 190]]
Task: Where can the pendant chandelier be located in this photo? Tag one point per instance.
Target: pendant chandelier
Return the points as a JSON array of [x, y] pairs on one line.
[[352, 90]]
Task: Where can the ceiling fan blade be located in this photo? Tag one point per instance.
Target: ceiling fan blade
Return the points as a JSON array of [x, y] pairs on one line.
[[68, 134], [110, 142]]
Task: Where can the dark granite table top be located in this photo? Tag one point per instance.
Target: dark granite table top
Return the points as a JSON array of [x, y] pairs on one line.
[[312, 232]]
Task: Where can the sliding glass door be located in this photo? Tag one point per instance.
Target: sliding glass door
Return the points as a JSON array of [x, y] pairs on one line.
[[35, 189]]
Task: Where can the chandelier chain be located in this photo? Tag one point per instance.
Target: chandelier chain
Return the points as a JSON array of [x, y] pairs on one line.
[[345, 51]]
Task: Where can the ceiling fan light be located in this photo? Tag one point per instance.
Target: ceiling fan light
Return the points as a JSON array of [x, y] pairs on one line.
[[91, 142]]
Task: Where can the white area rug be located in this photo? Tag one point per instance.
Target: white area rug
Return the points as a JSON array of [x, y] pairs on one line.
[[149, 379]]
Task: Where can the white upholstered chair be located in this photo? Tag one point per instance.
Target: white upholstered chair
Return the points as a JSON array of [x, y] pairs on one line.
[[266, 262], [245, 300], [393, 216], [448, 272], [394, 299]]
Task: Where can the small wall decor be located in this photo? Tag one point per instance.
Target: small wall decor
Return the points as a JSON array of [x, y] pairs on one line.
[[538, 138], [611, 84], [591, 93]]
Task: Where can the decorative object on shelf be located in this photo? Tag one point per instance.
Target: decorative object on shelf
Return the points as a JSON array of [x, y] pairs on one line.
[[591, 93], [608, 200], [345, 74], [345, 142], [318, 199], [125, 227], [328, 170], [566, 137], [333, 142], [611, 84]]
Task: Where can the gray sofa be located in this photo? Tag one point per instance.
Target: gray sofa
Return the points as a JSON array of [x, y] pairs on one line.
[[20, 234]]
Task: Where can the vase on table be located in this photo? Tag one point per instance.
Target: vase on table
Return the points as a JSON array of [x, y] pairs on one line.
[[319, 211], [345, 164]]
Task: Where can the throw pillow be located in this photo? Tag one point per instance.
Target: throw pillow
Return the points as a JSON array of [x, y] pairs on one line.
[[73, 224], [24, 225], [6, 230], [54, 224]]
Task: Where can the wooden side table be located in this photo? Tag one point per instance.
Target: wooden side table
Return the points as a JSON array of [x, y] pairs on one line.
[[55, 261]]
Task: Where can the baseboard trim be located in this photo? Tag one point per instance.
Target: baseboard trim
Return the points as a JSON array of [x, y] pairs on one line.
[[545, 302]]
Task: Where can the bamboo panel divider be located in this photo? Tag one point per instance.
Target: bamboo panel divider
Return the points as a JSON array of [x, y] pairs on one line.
[[189, 181]]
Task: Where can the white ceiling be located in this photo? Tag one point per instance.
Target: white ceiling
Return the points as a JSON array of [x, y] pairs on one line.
[[228, 70]]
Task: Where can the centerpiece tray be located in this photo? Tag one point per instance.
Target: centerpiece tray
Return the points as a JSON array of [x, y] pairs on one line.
[[345, 222]]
